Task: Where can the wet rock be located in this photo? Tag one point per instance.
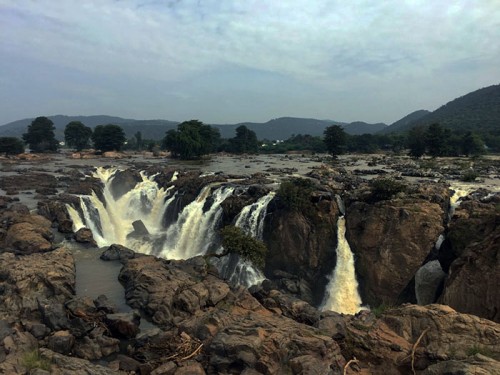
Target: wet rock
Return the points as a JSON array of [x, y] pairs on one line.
[[117, 252], [139, 228], [428, 280], [102, 303], [96, 345], [124, 325], [56, 212], [84, 235], [124, 181]]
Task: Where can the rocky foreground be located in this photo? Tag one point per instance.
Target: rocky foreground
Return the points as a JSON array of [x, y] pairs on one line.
[[203, 325]]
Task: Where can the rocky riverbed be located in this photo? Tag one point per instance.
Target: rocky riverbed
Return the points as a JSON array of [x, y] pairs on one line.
[[202, 324]]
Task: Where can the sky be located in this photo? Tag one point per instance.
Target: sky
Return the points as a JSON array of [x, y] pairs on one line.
[[230, 61]]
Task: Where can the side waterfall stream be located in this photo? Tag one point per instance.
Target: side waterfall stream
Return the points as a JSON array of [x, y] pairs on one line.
[[341, 293]]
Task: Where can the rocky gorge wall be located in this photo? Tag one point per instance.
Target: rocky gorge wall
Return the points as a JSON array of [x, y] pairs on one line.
[[205, 325]]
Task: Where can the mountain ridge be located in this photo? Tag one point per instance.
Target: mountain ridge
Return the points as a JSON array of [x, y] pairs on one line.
[[278, 128]]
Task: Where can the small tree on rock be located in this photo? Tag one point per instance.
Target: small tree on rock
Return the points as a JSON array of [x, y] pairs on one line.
[[236, 241]]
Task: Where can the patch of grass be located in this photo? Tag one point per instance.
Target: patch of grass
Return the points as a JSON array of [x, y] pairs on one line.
[[32, 360], [381, 309], [477, 349]]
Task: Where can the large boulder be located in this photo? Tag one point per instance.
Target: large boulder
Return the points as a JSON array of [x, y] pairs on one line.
[[391, 239], [431, 337], [474, 276], [26, 280], [302, 244], [28, 234], [236, 332]]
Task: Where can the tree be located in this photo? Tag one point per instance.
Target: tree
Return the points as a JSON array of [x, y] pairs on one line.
[[11, 146], [77, 135], [245, 141], [191, 140], [236, 241], [416, 142], [472, 144], [108, 137], [335, 139], [40, 135], [435, 138], [138, 141]]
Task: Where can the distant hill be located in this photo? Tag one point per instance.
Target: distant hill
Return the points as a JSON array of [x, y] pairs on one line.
[[405, 121], [478, 111], [280, 128]]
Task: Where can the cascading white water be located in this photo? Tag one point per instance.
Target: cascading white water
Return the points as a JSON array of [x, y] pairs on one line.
[[111, 220], [251, 220], [194, 231], [342, 290]]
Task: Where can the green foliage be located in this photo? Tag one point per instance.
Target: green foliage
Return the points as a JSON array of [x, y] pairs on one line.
[[77, 135], [244, 142], [416, 142], [477, 349], [108, 137], [11, 146], [32, 360], [191, 140], [472, 144], [236, 241], [381, 309], [469, 175], [335, 139], [40, 135], [435, 138], [386, 188], [295, 193]]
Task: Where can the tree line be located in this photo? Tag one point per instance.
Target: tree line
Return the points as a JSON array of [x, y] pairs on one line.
[[193, 139]]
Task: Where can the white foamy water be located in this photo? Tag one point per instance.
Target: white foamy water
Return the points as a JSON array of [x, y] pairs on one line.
[[341, 294]]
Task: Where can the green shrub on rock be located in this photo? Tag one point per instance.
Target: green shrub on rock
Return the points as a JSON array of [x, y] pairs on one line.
[[386, 188], [236, 241]]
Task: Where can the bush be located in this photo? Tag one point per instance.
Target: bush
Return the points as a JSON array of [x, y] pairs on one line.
[[32, 360], [236, 241], [469, 176], [386, 188], [295, 193], [11, 145]]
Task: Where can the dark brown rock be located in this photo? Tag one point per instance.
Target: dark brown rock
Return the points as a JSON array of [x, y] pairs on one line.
[[391, 239], [84, 235], [303, 244]]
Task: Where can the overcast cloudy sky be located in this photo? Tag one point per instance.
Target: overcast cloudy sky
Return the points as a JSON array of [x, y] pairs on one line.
[[226, 61]]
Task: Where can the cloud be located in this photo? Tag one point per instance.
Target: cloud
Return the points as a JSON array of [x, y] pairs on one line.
[[335, 46]]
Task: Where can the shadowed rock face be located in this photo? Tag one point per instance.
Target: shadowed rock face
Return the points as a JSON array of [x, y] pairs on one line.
[[474, 276], [302, 245], [391, 239]]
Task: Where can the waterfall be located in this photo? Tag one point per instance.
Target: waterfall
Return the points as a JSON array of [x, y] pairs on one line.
[[251, 221], [195, 230], [342, 290]]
